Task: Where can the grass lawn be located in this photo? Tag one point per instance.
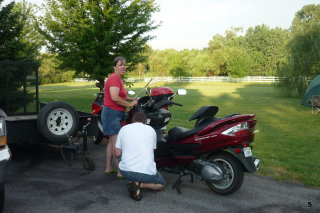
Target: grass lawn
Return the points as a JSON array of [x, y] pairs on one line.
[[288, 143]]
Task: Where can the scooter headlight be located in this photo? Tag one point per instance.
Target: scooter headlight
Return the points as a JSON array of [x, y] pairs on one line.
[[236, 130]]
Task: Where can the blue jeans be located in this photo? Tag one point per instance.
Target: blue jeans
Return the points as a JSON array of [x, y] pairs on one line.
[[144, 178], [111, 120]]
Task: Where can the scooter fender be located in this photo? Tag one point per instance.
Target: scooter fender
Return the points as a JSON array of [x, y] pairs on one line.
[[250, 163]]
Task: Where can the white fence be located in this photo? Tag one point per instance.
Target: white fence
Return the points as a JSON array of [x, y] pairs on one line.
[[252, 79]]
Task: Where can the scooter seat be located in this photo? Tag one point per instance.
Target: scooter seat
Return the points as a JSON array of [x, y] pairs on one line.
[[178, 133]]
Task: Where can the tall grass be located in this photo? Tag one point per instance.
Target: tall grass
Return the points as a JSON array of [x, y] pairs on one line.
[[288, 143]]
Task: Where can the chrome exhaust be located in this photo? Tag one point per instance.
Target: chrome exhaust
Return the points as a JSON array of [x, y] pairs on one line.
[[206, 170]]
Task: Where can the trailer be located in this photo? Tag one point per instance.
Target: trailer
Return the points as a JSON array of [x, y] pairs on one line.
[[55, 123]]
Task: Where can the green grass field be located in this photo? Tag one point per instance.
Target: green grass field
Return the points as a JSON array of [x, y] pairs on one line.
[[288, 143]]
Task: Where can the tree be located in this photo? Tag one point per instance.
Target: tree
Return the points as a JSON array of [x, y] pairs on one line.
[[267, 48], [229, 54], [49, 71], [87, 35], [10, 29], [12, 48], [29, 34], [239, 63], [177, 65], [304, 52], [158, 62]]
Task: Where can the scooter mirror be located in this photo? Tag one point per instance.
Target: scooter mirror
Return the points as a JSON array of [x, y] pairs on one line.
[[131, 92], [182, 92]]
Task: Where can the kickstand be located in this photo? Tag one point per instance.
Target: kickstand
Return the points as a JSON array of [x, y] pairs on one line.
[[177, 184], [179, 181]]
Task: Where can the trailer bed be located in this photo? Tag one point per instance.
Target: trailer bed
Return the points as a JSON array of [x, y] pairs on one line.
[[21, 117]]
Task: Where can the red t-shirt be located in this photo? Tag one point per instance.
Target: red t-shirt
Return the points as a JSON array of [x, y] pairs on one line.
[[114, 81]]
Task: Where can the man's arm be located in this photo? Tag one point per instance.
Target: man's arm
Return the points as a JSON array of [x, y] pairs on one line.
[[117, 152]]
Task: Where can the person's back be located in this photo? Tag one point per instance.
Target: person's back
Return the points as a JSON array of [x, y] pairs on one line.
[[135, 144], [138, 142]]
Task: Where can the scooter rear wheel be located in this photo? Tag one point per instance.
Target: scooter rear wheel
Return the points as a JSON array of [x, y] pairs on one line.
[[233, 174]]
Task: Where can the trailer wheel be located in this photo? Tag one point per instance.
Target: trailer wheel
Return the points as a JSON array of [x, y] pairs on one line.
[[57, 121], [88, 163]]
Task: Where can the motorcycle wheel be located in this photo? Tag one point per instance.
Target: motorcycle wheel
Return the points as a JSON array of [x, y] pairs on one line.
[[233, 177]]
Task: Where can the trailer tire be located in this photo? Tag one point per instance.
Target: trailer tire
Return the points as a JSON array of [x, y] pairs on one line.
[[57, 121]]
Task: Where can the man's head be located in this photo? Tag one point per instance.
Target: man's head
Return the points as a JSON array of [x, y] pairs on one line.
[[139, 117]]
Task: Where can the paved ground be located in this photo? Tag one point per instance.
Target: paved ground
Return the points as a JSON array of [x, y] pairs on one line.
[[41, 182]]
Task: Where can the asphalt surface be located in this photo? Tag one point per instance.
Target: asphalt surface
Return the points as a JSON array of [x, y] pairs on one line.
[[40, 181]]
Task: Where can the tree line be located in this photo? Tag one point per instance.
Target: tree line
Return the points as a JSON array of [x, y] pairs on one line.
[[82, 38]]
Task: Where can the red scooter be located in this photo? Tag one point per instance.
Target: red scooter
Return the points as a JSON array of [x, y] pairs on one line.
[[217, 150], [97, 106]]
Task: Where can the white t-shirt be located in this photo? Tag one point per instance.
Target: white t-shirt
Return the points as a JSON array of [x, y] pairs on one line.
[[137, 142]]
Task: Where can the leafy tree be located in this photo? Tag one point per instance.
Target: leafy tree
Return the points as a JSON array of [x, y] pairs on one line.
[[239, 62], [177, 65], [87, 35], [13, 47], [142, 68], [29, 34], [10, 29], [158, 62], [49, 71], [229, 54], [217, 54], [304, 60], [267, 48]]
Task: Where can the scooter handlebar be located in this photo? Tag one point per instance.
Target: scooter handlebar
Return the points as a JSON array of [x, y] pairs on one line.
[[164, 103], [174, 103]]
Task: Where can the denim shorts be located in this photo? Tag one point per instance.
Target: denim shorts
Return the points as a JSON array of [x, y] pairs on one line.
[[144, 178], [111, 120]]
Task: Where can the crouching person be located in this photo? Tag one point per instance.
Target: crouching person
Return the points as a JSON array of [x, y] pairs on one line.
[[135, 145]]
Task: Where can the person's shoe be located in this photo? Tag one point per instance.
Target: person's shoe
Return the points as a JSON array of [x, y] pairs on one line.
[[134, 191], [110, 172]]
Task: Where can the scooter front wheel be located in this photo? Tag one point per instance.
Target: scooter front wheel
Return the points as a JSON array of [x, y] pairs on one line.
[[98, 138], [233, 174]]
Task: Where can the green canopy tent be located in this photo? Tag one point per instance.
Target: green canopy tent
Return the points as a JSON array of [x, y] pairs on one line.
[[313, 89]]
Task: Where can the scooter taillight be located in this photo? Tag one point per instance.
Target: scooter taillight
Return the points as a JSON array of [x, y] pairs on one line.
[[242, 132], [96, 108], [237, 130]]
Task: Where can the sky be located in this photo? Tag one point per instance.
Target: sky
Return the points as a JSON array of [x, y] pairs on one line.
[[191, 24]]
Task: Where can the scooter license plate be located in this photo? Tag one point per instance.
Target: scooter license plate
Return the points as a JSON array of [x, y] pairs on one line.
[[247, 151]]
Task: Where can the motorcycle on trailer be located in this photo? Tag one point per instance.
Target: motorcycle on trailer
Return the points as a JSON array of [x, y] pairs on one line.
[[216, 150]]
